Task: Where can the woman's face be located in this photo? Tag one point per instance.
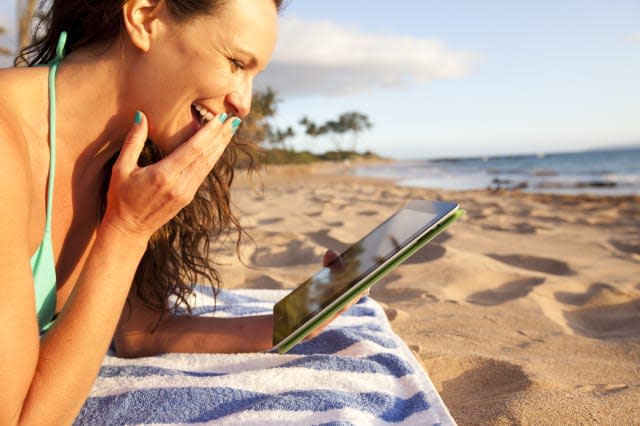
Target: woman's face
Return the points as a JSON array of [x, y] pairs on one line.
[[206, 64]]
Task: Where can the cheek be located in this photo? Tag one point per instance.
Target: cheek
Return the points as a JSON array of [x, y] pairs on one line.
[[213, 84], [209, 76]]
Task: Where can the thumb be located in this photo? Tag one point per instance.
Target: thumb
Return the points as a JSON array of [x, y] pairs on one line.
[[134, 142]]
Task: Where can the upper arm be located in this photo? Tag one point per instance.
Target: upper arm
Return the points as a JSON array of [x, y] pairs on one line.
[[18, 322]]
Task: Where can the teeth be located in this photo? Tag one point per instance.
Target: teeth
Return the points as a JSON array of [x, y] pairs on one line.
[[204, 113]]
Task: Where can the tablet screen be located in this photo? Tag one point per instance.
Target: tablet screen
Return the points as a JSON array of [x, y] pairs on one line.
[[319, 291]]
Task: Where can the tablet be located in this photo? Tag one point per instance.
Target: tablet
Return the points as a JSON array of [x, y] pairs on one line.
[[358, 268]]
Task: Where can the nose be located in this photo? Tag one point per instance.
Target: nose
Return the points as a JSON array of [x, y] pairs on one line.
[[240, 99]]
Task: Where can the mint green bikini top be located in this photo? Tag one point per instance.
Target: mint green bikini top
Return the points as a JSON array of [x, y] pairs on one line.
[[43, 264]]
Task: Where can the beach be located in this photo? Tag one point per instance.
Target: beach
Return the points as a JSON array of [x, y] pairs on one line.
[[526, 311]]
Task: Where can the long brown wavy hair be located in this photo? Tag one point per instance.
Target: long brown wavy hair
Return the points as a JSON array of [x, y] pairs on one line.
[[177, 255]]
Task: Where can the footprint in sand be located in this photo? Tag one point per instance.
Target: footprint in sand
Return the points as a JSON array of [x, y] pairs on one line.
[[428, 253], [597, 290], [491, 209], [534, 263], [336, 224], [476, 215], [504, 378], [395, 314], [388, 292], [367, 213], [603, 389], [506, 292], [442, 238], [520, 228], [554, 220], [616, 321], [293, 253], [629, 247], [401, 294], [605, 313], [315, 199], [270, 221], [323, 239]]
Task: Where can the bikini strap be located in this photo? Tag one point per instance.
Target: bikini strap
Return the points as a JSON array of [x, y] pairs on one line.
[[52, 124], [62, 41]]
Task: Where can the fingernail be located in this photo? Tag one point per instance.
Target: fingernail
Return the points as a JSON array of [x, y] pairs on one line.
[[138, 118], [222, 117], [235, 124]]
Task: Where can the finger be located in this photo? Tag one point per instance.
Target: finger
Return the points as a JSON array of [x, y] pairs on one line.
[[215, 150], [208, 140], [203, 163], [133, 143]]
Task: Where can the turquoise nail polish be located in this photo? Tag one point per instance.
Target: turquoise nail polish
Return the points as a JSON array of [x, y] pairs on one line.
[[235, 124], [138, 117], [222, 117]]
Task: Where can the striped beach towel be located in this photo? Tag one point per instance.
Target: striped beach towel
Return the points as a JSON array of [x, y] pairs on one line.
[[356, 372]]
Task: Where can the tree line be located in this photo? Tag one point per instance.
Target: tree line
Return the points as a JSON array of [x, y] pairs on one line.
[[257, 126]]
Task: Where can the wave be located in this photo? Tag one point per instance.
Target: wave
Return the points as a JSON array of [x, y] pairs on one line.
[[593, 172]]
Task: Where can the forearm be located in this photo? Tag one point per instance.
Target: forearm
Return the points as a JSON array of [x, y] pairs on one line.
[[200, 335], [73, 349]]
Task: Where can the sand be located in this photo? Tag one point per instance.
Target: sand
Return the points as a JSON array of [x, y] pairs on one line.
[[526, 311]]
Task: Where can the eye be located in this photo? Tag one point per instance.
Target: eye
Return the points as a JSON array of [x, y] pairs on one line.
[[236, 64]]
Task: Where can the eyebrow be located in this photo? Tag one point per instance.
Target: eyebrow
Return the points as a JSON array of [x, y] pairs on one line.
[[252, 59]]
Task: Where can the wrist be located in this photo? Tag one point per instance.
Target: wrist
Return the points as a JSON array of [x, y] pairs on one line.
[[112, 233]]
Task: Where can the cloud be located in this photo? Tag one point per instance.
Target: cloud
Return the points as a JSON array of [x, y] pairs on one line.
[[7, 17], [633, 38], [322, 57]]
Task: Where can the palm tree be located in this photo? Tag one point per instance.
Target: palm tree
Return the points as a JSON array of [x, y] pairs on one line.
[[3, 50], [255, 127], [26, 11], [353, 121]]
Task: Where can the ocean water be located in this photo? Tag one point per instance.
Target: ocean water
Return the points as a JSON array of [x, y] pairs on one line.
[[598, 172]]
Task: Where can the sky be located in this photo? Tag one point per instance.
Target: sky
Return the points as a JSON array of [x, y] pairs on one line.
[[458, 78]]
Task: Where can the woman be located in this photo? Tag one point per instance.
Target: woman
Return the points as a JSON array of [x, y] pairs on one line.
[[178, 73]]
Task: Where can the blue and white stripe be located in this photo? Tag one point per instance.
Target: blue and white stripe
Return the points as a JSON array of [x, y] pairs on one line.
[[356, 372]]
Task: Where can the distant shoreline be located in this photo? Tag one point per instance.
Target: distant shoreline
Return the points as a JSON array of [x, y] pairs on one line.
[[594, 172]]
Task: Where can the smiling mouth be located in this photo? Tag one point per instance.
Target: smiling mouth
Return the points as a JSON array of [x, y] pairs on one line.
[[201, 114]]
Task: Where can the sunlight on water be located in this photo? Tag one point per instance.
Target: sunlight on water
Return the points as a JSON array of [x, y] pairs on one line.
[[603, 172]]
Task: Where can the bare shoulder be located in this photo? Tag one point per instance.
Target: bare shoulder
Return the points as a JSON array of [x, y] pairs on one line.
[[15, 175], [19, 87], [14, 152]]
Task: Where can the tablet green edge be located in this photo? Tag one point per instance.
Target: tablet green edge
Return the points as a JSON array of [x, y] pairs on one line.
[[372, 279]]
